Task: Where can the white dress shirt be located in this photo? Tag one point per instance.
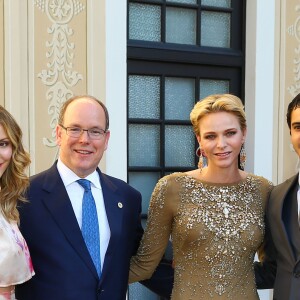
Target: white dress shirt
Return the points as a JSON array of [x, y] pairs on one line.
[[75, 192]]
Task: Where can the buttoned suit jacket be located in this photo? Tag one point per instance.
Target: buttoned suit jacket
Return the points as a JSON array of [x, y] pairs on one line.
[[282, 221], [63, 266]]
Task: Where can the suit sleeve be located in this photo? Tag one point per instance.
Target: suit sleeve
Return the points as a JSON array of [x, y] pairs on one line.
[[161, 282], [139, 229]]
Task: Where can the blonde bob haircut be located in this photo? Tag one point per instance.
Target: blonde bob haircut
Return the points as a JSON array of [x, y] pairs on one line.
[[218, 103], [14, 180]]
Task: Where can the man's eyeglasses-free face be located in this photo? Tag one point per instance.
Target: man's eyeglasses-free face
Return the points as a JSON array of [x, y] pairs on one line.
[[76, 132]]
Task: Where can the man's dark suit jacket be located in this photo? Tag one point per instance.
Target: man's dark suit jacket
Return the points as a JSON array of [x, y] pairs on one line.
[[282, 220], [63, 266]]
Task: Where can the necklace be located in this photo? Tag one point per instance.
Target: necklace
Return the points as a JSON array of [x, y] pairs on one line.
[[227, 210]]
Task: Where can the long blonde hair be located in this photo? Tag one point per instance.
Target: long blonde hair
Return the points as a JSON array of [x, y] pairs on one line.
[[14, 180]]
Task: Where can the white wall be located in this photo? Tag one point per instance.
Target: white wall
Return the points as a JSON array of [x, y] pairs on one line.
[[261, 93], [116, 90], [16, 67]]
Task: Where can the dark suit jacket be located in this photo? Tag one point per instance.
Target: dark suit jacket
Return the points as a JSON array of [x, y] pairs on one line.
[[282, 219], [63, 266]]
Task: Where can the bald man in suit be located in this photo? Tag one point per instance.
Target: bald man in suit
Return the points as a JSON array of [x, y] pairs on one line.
[[72, 263]]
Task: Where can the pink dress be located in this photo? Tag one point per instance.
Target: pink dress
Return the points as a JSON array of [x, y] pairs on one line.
[[15, 262]]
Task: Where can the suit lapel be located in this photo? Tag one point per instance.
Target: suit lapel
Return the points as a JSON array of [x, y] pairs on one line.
[[58, 203], [277, 210], [290, 218], [114, 204]]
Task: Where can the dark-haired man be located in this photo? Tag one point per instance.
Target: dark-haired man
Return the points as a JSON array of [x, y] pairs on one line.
[[283, 223]]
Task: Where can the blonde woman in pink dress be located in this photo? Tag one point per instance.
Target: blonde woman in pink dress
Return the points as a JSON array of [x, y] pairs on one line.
[[15, 262]]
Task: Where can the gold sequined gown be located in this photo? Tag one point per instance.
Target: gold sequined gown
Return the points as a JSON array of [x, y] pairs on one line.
[[215, 229]]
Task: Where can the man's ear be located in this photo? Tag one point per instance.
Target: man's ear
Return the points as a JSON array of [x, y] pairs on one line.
[[107, 136], [58, 131]]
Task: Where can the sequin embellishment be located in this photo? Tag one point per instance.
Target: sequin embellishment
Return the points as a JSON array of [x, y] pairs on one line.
[[215, 230]]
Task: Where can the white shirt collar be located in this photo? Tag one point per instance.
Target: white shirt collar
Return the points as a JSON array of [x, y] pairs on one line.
[[68, 176]]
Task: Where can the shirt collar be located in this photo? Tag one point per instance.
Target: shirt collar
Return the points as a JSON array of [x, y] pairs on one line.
[[68, 176]]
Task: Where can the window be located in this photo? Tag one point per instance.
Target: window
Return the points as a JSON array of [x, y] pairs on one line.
[[178, 52]]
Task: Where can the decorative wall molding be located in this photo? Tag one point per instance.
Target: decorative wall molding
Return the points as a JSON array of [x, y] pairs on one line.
[[59, 76], [294, 30]]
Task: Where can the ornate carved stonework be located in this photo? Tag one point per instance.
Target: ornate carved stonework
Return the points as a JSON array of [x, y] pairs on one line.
[[294, 30], [59, 76]]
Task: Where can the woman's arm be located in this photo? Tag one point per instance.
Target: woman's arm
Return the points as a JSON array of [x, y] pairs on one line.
[[156, 235]]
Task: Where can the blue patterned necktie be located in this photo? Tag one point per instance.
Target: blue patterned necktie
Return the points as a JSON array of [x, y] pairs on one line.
[[90, 226]]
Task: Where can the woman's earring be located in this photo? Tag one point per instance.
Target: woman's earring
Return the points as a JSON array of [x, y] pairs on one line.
[[201, 163], [242, 157]]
